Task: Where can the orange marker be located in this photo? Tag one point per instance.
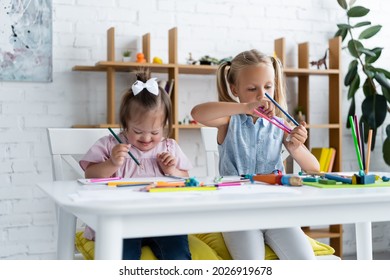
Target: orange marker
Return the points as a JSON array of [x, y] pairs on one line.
[[161, 184], [275, 179]]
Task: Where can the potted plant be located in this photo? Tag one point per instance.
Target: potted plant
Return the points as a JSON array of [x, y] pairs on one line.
[[208, 60], [126, 56], [376, 86]]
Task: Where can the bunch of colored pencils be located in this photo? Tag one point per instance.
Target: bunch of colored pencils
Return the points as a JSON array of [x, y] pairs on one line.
[[358, 139]]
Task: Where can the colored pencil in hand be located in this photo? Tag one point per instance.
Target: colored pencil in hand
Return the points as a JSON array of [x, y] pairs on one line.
[[120, 142], [281, 109]]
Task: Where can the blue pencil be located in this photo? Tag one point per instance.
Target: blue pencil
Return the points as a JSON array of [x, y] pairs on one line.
[[119, 140], [281, 109]]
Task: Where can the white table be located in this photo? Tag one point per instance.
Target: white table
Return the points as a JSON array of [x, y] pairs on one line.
[[193, 212]]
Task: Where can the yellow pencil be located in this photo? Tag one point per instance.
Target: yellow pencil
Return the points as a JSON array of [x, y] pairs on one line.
[[369, 141], [163, 184]]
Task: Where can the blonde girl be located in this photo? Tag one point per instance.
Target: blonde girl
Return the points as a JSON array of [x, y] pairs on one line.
[[251, 145]]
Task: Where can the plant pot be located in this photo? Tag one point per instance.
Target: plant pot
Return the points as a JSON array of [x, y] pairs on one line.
[[126, 59]]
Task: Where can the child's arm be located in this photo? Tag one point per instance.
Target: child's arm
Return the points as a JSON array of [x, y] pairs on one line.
[[167, 163], [111, 165], [217, 114], [295, 146]]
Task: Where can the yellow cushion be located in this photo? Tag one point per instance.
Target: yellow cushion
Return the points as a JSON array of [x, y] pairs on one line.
[[207, 246]]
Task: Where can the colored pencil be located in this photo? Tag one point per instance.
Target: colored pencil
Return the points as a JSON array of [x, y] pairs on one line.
[[369, 141], [128, 183], [184, 189], [271, 121], [355, 142], [229, 184], [97, 180], [278, 121], [132, 185], [357, 129], [362, 146], [281, 109], [161, 184], [119, 140]]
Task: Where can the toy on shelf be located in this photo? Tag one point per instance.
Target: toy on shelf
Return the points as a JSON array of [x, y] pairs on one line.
[[188, 120], [190, 60], [157, 60], [320, 62], [141, 58]]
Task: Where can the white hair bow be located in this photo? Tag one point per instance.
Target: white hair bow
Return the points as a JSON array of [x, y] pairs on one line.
[[150, 85]]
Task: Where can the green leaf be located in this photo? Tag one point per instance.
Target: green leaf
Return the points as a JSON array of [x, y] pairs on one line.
[[372, 59], [368, 89], [369, 32], [343, 26], [343, 4], [363, 123], [370, 71], [388, 130], [351, 111], [381, 79], [386, 93], [354, 47], [367, 52], [354, 86], [386, 150], [387, 73], [341, 32], [360, 24], [374, 109], [358, 11], [352, 71]]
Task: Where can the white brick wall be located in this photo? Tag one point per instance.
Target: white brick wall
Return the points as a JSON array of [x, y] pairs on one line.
[[217, 28]]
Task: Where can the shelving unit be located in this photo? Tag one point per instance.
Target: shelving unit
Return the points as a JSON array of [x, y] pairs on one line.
[[173, 69], [334, 125]]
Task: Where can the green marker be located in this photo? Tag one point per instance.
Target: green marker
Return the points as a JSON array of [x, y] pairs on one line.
[[356, 142]]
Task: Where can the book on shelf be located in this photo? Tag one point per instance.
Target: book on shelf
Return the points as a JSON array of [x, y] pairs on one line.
[[325, 157]]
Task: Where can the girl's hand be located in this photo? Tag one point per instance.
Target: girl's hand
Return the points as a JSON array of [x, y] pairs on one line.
[[167, 162], [119, 154], [268, 108], [297, 137]]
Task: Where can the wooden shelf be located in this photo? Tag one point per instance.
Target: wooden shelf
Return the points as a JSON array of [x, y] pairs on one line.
[[188, 126], [102, 125], [174, 70], [291, 72], [324, 125], [197, 69]]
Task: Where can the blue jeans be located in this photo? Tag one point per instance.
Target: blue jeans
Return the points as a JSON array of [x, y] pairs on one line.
[[164, 248]]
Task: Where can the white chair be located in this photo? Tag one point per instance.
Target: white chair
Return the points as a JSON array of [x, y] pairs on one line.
[[209, 139], [67, 146]]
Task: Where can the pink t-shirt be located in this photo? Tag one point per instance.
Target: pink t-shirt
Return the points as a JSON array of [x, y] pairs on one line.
[[101, 151]]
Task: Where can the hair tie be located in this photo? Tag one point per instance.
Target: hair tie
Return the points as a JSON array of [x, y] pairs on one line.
[[150, 85]]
